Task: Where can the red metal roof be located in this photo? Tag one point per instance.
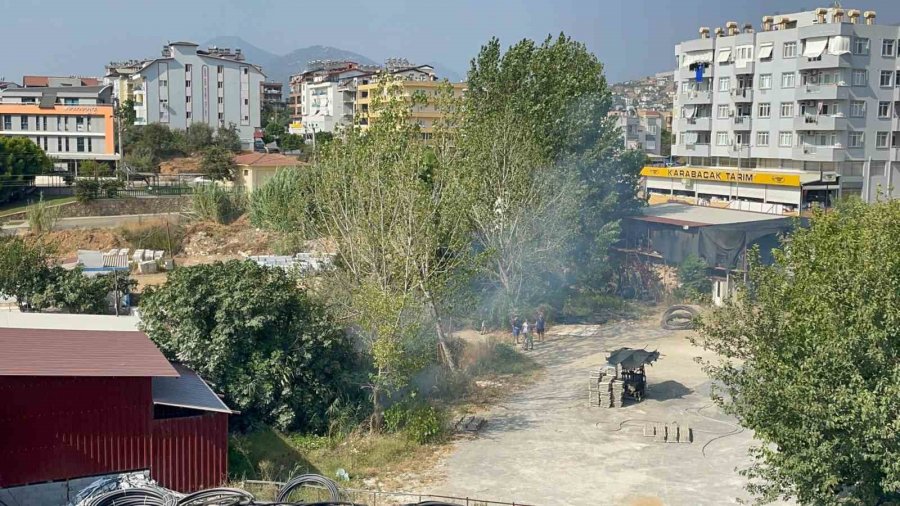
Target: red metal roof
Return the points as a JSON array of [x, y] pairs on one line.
[[40, 352]]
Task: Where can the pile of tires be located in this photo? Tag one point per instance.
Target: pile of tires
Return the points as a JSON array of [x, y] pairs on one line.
[[680, 317]]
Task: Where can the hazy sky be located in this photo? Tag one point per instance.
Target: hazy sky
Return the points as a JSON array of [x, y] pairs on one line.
[[632, 37]]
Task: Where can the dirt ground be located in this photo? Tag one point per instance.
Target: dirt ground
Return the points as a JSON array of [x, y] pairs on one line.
[[545, 446]]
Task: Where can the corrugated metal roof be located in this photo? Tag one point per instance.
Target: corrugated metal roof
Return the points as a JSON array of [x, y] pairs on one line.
[[41, 352], [697, 216], [187, 391]]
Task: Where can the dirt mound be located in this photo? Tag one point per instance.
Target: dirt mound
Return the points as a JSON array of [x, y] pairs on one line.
[[181, 165], [68, 242], [238, 238]]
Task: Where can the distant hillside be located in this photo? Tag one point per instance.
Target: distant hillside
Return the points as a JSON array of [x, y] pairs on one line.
[[280, 67]]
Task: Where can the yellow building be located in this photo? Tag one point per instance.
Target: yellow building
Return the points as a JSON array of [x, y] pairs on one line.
[[425, 115], [255, 169]]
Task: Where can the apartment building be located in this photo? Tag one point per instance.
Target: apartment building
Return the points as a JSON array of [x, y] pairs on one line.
[[120, 75], [803, 110], [70, 123], [322, 97], [187, 85], [272, 95], [415, 80], [641, 129]]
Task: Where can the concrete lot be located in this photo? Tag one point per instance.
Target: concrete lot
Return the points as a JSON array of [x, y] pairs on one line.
[[546, 446]]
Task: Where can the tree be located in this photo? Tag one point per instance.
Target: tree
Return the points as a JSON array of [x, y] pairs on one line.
[[93, 168], [218, 163], [810, 360], [665, 139], [159, 140], [197, 137], [142, 159], [229, 138], [291, 142], [276, 355], [20, 161], [695, 284], [558, 92], [70, 291], [24, 268]]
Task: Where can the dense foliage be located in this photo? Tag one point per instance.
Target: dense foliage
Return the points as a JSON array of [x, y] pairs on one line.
[[20, 161], [282, 203], [278, 356], [218, 164], [147, 145], [694, 283], [811, 360], [27, 273]]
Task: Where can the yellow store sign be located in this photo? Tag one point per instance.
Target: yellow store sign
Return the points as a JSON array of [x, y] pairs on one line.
[[723, 175]]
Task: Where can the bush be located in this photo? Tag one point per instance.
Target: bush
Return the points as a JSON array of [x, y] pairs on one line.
[[218, 164], [694, 284], [110, 188], [283, 202], [86, 190], [418, 421], [93, 168], [42, 217], [213, 203]]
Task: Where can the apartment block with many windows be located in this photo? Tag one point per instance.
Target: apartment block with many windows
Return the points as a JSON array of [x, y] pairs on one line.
[[803, 110], [641, 129], [70, 123], [189, 85]]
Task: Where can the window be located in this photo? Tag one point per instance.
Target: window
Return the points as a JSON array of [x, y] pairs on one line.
[[59, 123], [187, 114], [860, 78], [163, 83], [70, 101], [860, 45], [765, 110], [221, 100], [855, 140], [246, 70], [685, 86], [187, 84], [887, 47], [722, 111], [7, 122], [44, 124], [787, 109], [246, 101], [652, 129], [187, 68], [881, 140], [762, 138], [788, 79], [884, 109], [724, 84], [220, 69], [886, 76], [89, 146], [857, 109], [785, 139], [765, 81], [59, 144], [79, 123], [23, 122], [789, 50], [67, 144], [79, 144], [221, 85], [721, 138]]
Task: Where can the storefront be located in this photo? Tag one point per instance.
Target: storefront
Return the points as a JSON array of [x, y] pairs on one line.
[[749, 190]]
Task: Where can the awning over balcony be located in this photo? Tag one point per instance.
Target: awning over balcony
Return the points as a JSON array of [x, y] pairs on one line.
[[724, 56], [765, 51], [697, 57], [838, 45], [815, 46]]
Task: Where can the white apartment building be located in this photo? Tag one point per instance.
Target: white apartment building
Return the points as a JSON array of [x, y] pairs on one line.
[[641, 129], [188, 85], [804, 110]]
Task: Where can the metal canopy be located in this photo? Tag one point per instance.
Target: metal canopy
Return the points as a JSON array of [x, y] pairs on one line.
[[630, 358]]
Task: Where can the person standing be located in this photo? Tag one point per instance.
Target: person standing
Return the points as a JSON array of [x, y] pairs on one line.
[[516, 327], [527, 339], [540, 325]]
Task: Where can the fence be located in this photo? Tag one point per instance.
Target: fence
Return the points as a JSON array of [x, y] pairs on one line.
[[374, 498]]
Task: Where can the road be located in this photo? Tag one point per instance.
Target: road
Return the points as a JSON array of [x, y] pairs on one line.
[[546, 446]]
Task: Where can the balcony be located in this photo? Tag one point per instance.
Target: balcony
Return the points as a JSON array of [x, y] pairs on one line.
[[826, 61], [820, 122], [741, 123], [822, 92], [810, 153], [741, 95], [695, 124], [695, 98], [696, 150], [748, 68]]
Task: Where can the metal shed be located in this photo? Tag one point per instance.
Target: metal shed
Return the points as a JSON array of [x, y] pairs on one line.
[[80, 403]]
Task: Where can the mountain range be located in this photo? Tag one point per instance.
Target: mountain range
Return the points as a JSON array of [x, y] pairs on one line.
[[279, 68]]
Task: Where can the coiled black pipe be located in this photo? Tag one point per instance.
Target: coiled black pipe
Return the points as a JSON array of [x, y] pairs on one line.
[[134, 497], [218, 497], [310, 479]]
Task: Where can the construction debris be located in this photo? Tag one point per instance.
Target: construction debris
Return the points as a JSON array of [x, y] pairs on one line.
[[468, 423]]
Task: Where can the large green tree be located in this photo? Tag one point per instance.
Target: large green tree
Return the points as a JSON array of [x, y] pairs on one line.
[[810, 360], [218, 163], [558, 92], [277, 355], [20, 161]]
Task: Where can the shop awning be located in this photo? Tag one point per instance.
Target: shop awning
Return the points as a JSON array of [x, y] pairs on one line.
[[724, 56], [838, 45], [765, 51], [815, 46]]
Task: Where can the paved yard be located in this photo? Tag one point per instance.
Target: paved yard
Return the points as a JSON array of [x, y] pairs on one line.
[[546, 446]]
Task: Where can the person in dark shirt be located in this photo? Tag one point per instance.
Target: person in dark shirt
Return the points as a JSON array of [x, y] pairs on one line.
[[539, 326], [516, 327]]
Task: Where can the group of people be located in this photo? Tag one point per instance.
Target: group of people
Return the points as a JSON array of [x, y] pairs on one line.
[[526, 330]]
